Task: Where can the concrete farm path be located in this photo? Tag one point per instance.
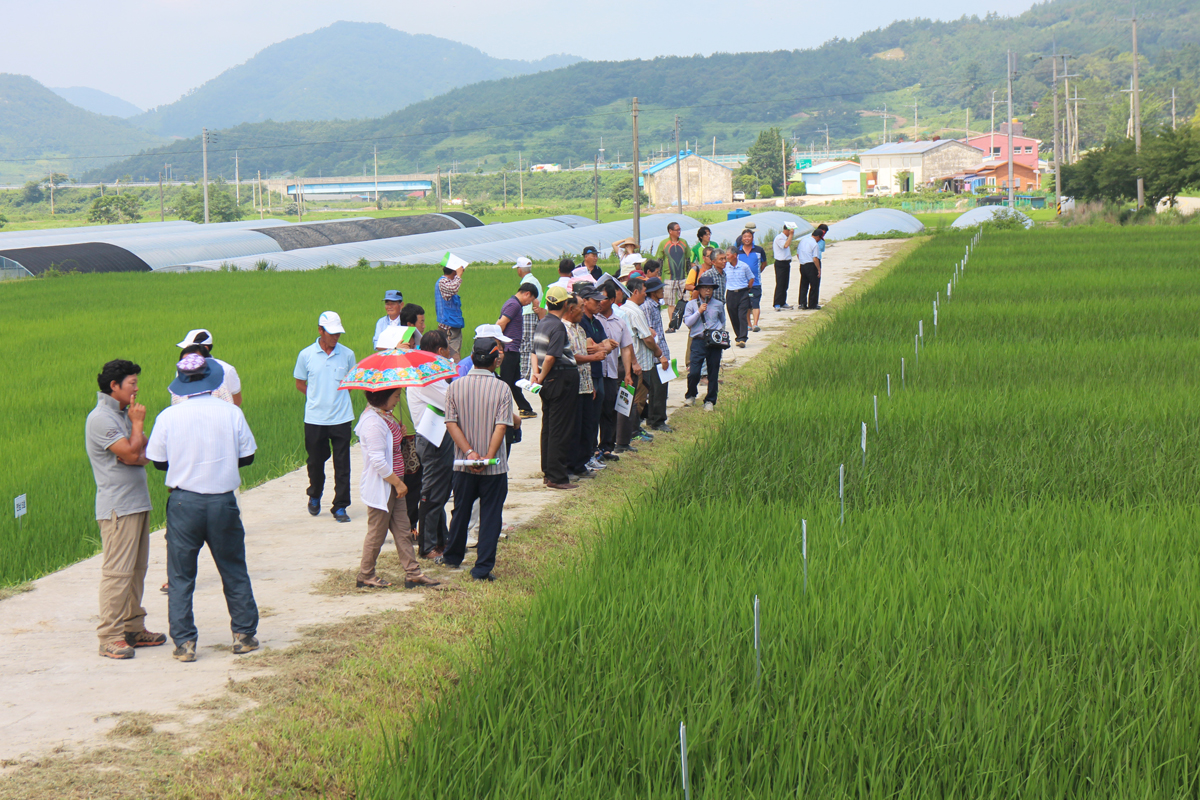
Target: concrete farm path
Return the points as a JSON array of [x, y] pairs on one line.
[[59, 696]]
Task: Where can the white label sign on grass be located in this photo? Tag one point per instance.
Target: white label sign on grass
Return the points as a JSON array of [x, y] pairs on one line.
[[19, 506]]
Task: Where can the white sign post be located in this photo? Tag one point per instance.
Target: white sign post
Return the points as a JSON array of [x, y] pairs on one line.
[[864, 445], [876, 397], [889, 384], [19, 509], [842, 490], [804, 550], [687, 789], [757, 648], [901, 373]]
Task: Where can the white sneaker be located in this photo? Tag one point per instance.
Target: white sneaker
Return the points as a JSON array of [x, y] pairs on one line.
[[687, 401], [472, 541], [594, 464], [709, 406]]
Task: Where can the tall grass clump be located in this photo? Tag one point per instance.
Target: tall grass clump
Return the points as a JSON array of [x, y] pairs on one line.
[[58, 334], [1009, 610]]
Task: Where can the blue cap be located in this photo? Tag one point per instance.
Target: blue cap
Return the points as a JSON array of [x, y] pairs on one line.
[[393, 296]]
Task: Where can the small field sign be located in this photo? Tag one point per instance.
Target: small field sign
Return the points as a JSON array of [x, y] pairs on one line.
[[19, 506]]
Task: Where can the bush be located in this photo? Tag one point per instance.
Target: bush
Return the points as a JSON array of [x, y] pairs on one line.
[[766, 191], [797, 189]]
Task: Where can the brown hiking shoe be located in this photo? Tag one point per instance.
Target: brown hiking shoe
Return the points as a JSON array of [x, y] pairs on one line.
[[420, 580], [145, 638], [244, 643], [185, 652], [117, 648]]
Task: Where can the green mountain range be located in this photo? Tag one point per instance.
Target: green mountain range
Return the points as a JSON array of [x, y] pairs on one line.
[[40, 132], [97, 102], [842, 87], [348, 70]]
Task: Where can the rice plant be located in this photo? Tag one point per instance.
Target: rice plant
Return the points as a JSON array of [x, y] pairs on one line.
[[1009, 610]]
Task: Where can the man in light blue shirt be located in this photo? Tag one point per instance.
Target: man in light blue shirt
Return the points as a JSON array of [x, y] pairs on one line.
[[328, 414], [738, 280], [393, 304]]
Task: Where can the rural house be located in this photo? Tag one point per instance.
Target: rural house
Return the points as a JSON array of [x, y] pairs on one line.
[[704, 181], [905, 166], [831, 177]]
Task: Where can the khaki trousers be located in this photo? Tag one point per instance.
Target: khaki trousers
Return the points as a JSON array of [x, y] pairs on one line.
[[126, 543], [379, 522]]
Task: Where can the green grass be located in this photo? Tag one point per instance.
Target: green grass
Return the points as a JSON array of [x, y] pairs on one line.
[[1009, 610], [59, 332]]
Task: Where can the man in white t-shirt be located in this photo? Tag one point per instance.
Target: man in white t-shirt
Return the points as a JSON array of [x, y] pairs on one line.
[[201, 341], [782, 246], [809, 255]]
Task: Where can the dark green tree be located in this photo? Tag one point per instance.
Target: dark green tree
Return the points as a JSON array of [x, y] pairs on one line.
[[764, 160], [32, 192], [221, 205], [116, 208], [623, 193], [1170, 163]]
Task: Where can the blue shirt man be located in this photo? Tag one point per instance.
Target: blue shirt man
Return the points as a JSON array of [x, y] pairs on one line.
[[328, 415]]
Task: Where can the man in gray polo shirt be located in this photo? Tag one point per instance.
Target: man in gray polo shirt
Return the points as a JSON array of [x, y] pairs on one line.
[[116, 446]]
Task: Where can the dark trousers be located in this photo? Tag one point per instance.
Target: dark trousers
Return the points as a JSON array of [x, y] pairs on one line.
[[412, 500], [559, 395], [490, 491], [319, 440], [194, 520], [510, 373], [737, 303], [628, 425], [783, 277], [436, 466], [587, 424], [656, 398], [608, 415], [810, 286], [702, 355]]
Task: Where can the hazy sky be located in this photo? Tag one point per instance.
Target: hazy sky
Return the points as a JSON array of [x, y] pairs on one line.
[[149, 52]]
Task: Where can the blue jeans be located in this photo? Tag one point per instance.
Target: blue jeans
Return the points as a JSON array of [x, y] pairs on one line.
[[702, 354], [490, 491], [194, 520]]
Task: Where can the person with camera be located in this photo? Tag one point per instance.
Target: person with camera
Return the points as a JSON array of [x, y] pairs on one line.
[[705, 320]]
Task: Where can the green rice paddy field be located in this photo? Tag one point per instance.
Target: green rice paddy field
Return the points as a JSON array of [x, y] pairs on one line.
[[57, 333], [1009, 610]]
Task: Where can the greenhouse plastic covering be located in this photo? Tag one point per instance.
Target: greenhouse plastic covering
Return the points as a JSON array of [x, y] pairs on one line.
[[552, 246], [391, 251], [982, 214], [874, 221], [724, 232]]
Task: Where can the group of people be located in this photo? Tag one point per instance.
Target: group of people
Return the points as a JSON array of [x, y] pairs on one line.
[[591, 346]]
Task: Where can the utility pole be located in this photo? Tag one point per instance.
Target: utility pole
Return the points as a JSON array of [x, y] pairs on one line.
[[258, 187], [596, 185], [885, 135], [826, 140], [237, 178], [52, 193], [376, 152], [204, 149], [678, 166], [1008, 64], [521, 178], [915, 117], [1172, 109], [637, 190], [1057, 156], [1137, 113], [504, 177], [162, 207], [783, 164], [439, 188], [299, 200]]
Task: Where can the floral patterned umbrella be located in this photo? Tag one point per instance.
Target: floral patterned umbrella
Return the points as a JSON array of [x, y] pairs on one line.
[[398, 369]]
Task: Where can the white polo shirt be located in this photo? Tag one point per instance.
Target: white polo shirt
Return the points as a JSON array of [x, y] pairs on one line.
[[809, 250], [783, 250], [202, 439]]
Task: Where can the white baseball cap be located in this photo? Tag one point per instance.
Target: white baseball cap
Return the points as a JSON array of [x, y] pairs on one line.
[[523, 263], [198, 336], [491, 330], [331, 322]]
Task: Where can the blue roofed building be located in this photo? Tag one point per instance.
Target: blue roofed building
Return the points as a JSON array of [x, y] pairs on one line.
[[831, 177], [704, 181]]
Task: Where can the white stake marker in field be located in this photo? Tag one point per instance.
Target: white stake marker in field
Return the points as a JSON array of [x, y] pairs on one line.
[[757, 649], [804, 550], [19, 508], [889, 384], [687, 789], [901, 373], [947, 291], [876, 397], [864, 445], [935, 322], [842, 490], [917, 350]]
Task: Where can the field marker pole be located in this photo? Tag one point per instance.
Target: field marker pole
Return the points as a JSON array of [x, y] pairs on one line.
[[901, 373], [921, 329], [935, 322], [864, 445], [876, 397], [687, 789], [757, 648], [804, 550], [916, 350], [842, 490], [204, 148], [889, 377]]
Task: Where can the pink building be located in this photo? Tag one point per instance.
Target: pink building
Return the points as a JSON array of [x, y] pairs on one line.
[[995, 146]]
